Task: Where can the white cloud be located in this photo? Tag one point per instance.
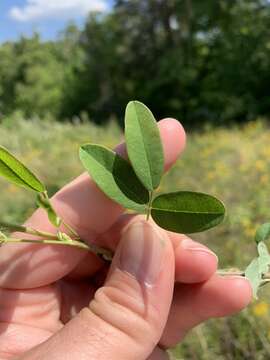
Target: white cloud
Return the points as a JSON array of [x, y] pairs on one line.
[[40, 9]]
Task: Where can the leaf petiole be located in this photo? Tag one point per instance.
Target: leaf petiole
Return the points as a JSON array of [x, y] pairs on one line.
[[151, 193]]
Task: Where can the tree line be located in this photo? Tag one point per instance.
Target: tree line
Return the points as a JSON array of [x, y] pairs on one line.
[[199, 61]]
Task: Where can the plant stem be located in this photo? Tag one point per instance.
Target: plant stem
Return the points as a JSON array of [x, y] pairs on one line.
[[237, 272], [27, 230], [105, 253], [230, 272], [151, 193], [67, 226]]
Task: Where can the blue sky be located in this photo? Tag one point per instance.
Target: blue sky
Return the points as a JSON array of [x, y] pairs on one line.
[[48, 17]]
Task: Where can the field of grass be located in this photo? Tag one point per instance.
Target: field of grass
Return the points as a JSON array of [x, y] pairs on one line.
[[233, 164]]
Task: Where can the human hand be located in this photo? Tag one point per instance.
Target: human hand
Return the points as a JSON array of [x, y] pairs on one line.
[[64, 303]]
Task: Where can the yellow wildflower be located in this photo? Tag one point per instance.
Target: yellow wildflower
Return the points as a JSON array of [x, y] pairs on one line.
[[260, 309]]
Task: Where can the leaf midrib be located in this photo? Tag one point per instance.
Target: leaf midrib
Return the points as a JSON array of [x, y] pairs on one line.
[[188, 212], [145, 148], [122, 183], [16, 174]]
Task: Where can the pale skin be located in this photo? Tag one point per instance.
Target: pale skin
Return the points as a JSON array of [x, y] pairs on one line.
[[58, 302]]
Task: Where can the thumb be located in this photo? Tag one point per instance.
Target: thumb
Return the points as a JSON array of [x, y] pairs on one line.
[[126, 318]]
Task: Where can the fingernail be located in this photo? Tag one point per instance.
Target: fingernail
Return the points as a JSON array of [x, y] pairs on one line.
[[191, 245], [141, 252]]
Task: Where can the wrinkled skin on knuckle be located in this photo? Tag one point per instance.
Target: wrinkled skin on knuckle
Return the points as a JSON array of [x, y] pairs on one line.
[[126, 306]]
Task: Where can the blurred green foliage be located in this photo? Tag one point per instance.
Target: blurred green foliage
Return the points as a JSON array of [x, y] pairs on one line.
[[195, 60]]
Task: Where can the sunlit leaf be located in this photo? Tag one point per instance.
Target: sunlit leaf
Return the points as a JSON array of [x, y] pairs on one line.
[[16, 172], [114, 176], [187, 212], [144, 144]]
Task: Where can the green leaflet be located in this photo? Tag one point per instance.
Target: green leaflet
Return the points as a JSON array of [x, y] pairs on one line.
[[253, 274], [14, 171], [263, 232], [264, 257], [187, 212], [144, 145], [44, 202], [258, 267], [114, 176]]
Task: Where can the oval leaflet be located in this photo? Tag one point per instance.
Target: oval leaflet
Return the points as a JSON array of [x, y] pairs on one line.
[[114, 176], [144, 145], [187, 212], [16, 172]]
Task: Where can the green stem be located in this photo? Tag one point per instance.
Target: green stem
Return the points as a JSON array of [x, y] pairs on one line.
[[67, 226], [27, 230], [105, 253], [237, 272], [151, 193], [230, 272]]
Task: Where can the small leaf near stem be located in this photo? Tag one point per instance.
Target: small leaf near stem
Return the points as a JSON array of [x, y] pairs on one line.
[[43, 202], [258, 267]]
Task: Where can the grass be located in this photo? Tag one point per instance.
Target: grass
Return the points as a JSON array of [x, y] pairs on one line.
[[233, 164]]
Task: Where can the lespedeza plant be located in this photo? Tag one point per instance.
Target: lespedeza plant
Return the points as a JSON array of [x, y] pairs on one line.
[[132, 184]]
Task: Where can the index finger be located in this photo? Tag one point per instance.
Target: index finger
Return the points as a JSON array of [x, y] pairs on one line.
[[87, 209]]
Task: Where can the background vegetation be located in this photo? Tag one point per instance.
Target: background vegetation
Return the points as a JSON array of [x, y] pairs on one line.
[[195, 60], [206, 63]]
